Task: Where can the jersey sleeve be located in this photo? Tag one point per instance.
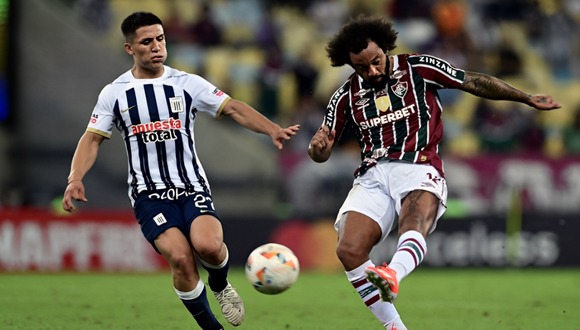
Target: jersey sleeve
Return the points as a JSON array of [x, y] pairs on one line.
[[102, 118], [336, 110], [207, 97], [436, 71]]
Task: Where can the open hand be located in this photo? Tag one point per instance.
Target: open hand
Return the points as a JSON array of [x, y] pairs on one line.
[[544, 102]]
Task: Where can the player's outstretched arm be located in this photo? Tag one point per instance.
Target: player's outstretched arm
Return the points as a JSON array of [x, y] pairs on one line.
[[251, 119], [486, 86], [320, 147], [84, 157]]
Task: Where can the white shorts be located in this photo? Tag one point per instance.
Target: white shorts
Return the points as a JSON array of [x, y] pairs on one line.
[[378, 193]]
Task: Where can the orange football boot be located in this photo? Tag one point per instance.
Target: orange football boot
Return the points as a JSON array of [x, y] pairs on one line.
[[384, 278]]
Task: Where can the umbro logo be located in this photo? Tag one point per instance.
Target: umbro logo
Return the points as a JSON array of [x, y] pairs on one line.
[[129, 108], [362, 102]]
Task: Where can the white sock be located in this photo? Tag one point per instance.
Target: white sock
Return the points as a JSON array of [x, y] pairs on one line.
[[411, 250], [384, 311], [191, 294], [206, 264]]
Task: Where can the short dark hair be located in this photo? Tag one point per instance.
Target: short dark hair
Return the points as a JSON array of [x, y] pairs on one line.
[[355, 35], [137, 20]]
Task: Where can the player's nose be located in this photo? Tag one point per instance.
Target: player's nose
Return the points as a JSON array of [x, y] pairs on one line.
[[373, 71]]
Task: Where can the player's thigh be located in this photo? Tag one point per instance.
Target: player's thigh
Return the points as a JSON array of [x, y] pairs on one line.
[[175, 248], [418, 191], [155, 216], [358, 232], [368, 198], [206, 234], [205, 229], [418, 211]]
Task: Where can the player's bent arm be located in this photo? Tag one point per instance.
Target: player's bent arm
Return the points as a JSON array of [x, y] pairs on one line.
[[85, 155]]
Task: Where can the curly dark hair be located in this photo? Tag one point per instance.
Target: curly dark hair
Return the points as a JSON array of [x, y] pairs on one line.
[[137, 20], [355, 36]]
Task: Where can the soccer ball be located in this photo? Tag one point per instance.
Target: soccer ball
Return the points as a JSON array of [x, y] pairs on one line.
[[272, 268]]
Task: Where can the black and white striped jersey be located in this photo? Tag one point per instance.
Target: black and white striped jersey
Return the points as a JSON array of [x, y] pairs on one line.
[[156, 120]]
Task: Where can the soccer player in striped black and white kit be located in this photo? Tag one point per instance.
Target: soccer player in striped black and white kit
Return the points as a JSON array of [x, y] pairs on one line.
[[154, 107], [392, 103]]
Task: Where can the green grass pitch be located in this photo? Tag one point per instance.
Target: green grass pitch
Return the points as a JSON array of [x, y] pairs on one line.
[[431, 299]]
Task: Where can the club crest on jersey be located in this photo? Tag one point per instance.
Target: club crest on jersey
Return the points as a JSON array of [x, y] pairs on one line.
[[400, 88], [176, 104]]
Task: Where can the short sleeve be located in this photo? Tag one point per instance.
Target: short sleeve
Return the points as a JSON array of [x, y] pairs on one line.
[[101, 121], [207, 97]]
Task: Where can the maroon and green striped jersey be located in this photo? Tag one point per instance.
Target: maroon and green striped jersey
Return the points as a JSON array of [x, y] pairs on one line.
[[403, 120]]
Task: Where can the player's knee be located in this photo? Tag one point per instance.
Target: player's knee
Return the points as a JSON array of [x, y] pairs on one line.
[[210, 250]]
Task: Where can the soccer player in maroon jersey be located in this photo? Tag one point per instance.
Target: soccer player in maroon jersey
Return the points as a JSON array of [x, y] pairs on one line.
[[392, 102], [154, 107]]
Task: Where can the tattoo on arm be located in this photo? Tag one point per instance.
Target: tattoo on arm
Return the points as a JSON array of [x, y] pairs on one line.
[[482, 85]]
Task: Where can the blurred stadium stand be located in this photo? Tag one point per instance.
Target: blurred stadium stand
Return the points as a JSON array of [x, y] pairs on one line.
[[69, 49]]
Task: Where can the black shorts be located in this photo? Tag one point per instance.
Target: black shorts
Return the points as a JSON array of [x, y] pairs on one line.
[[159, 210]]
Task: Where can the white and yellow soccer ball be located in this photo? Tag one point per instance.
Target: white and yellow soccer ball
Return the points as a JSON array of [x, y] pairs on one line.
[[272, 268]]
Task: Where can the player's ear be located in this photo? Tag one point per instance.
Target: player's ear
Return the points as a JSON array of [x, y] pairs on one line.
[[128, 49]]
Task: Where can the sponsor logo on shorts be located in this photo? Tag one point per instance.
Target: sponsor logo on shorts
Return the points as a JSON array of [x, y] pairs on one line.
[[159, 219]]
